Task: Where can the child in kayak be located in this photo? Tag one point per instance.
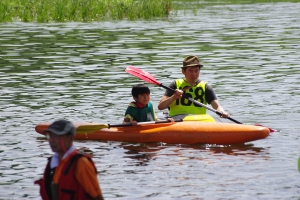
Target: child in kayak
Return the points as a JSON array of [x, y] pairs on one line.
[[141, 110]]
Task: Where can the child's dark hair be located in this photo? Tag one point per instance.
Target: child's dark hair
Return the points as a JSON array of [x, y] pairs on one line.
[[139, 89]]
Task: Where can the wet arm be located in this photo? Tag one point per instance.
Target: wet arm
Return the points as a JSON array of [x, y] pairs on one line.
[[166, 100], [216, 105], [129, 119], [211, 98]]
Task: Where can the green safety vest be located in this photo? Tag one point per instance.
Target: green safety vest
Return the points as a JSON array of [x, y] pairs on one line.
[[183, 105], [144, 114]]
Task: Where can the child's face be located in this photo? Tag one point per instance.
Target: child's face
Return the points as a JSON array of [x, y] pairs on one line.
[[143, 99]]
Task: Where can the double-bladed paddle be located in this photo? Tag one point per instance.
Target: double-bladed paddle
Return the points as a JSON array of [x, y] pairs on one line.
[[150, 79], [93, 127]]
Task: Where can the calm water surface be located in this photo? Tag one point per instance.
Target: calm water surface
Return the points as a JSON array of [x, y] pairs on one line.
[[76, 71]]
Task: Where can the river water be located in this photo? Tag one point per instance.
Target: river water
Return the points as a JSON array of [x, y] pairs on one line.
[[76, 71]]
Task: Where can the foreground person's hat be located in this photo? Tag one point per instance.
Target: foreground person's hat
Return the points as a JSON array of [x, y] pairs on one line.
[[61, 127], [191, 61]]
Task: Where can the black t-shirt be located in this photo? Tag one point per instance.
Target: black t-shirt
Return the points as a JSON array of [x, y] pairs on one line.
[[209, 92]]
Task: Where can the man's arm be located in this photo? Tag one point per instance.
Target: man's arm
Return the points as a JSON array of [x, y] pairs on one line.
[[211, 98], [216, 105], [86, 175], [169, 97]]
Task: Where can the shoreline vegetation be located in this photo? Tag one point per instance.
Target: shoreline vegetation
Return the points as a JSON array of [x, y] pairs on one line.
[[44, 11]]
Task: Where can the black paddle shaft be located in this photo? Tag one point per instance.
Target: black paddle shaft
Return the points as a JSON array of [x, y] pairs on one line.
[[199, 103], [140, 123]]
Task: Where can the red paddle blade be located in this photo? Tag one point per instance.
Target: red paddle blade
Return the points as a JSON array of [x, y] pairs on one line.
[[142, 75]]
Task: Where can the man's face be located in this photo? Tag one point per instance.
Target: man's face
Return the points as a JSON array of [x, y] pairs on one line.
[[56, 142], [191, 74]]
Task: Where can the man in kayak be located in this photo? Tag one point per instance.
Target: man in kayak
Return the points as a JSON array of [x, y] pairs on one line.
[[141, 110], [192, 86], [68, 174]]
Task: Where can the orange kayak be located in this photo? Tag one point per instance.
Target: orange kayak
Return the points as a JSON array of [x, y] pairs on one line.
[[186, 132]]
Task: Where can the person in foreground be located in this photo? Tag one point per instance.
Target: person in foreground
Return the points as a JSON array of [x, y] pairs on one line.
[[68, 174], [192, 86], [141, 110]]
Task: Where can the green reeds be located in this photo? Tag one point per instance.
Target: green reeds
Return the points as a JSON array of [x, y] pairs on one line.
[[98, 10], [81, 10]]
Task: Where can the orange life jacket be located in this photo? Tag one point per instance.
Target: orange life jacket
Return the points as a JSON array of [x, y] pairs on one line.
[[68, 187]]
